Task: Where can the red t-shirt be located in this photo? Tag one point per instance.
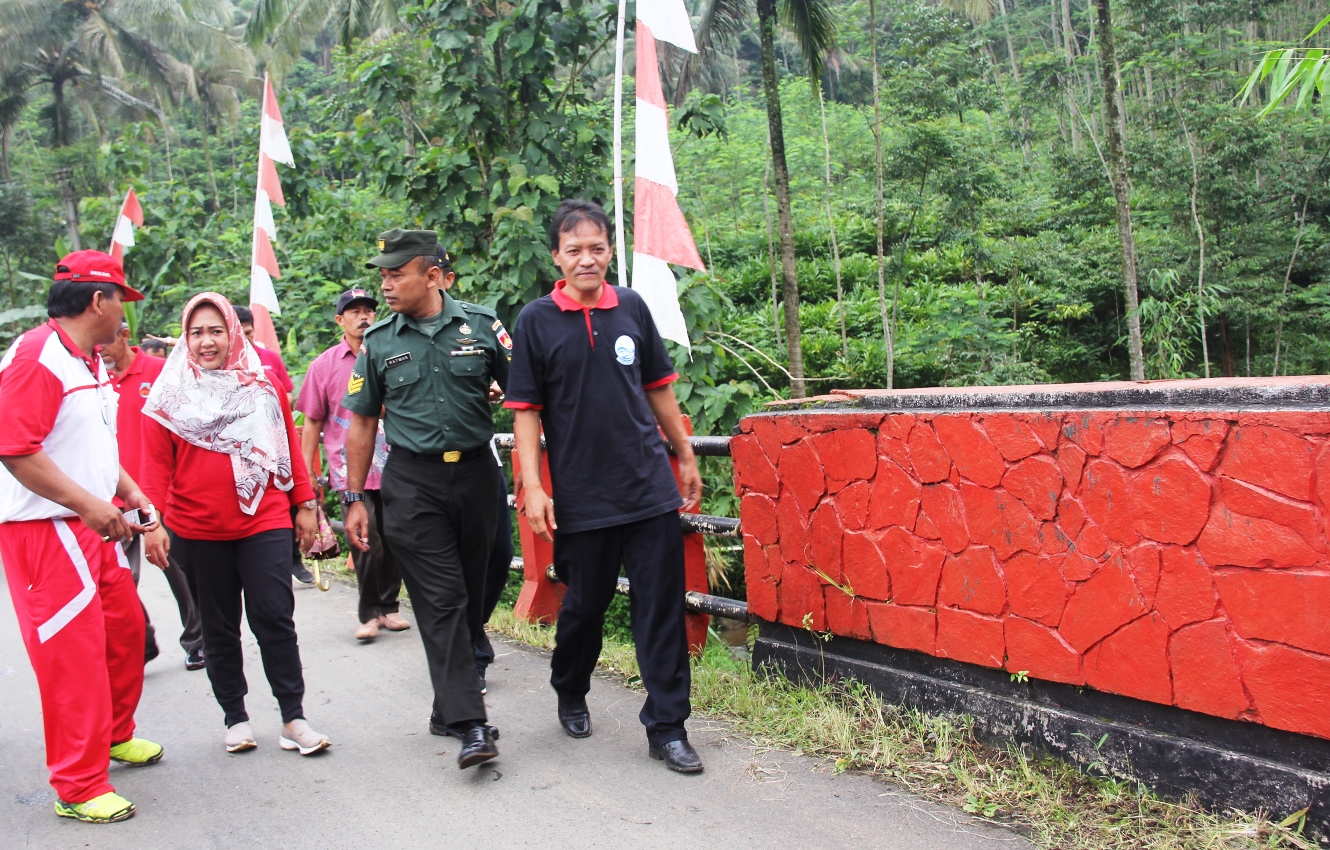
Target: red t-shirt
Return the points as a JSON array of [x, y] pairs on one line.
[[133, 387], [197, 486], [275, 368]]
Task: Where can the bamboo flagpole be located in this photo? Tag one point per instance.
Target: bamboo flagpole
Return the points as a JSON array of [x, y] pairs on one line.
[[618, 147]]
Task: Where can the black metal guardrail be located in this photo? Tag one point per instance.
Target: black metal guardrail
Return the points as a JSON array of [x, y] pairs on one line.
[[699, 603], [712, 526]]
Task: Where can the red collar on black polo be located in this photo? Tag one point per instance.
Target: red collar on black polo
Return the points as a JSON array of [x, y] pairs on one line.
[[608, 298]]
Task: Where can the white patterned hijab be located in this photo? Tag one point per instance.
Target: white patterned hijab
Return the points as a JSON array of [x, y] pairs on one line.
[[234, 410]]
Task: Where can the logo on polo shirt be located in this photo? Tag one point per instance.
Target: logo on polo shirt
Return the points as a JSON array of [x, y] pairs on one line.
[[145, 388], [625, 350]]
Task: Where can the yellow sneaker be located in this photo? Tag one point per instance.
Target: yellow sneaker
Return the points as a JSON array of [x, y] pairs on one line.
[[108, 808], [137, 752]]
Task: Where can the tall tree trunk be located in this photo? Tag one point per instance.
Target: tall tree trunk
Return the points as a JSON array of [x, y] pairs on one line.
[[1115, 133], [771, 245], [831, 227], [888, 317], [1200, 241], [6, 139], [207, 159], [1070, 46], [766, 17], [1288, 276], [1016, 75]]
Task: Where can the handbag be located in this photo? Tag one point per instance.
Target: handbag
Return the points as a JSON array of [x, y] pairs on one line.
[[326, 547]]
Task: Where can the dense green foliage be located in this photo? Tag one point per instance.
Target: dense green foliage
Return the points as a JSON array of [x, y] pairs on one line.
[[1001, 253]]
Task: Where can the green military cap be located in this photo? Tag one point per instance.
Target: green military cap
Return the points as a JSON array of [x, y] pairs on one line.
[[398, 247]]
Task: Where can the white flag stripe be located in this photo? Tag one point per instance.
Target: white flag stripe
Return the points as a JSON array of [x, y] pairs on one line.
[[272, 141], [124, 232], [263, 214], [669, 21], [261, 290], [653, 280], [654, 159]]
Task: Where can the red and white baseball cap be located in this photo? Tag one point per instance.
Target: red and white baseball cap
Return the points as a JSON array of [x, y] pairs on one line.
[[96, 267]]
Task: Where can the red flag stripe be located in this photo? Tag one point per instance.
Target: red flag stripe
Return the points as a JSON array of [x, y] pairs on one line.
[[263, 253], [268, 180], [132, 209], [270, 107], [659, 228], [648, 71]]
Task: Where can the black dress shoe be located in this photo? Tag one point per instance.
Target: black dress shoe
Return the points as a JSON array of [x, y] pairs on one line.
[[575, 718], [438, 727], [477, 747], [677, 755]]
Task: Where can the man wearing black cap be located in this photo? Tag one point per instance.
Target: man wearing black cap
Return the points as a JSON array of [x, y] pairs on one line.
[[321, 401], [428, 369]]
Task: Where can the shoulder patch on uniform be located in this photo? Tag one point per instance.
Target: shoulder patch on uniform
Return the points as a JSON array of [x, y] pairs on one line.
[[478, 309], [396, 359], [356, 383], [504, 340], [497, 324]]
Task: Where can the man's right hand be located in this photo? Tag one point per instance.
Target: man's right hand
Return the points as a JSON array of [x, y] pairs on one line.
[[105, 519], [539, 511], [357, 526]]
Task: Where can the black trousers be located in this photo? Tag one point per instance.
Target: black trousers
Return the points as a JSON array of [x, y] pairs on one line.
[[439, 519], [496, 575], [258, 569], [651, 552], [191, 634], [377, 577]]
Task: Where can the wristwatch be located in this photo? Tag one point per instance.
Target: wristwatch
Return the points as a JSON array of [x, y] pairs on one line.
[[308, 505], [349, 497]]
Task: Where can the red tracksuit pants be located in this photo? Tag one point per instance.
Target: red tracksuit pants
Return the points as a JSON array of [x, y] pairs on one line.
[[82, 623]]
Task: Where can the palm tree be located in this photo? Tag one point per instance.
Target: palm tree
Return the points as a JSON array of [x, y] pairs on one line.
[[289, 25], [811, 24], [124, 55]]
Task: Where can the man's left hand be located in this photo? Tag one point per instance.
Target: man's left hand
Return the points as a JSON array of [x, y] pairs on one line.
[[690, 483]]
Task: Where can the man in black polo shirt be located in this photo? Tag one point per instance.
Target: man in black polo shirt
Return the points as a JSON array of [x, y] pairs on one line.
[[589, 365]]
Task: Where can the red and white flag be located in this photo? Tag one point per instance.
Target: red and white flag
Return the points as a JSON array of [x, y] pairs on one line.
[[273, 148], [660, 233], [131, 216]]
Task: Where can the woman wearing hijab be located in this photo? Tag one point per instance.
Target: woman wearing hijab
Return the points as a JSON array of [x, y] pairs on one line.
[[219, 460]]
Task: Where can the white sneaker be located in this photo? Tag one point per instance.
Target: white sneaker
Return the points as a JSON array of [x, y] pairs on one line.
[[240, 738], [297, 735]]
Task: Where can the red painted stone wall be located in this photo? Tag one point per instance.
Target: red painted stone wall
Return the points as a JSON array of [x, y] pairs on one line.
[[1177, 557]]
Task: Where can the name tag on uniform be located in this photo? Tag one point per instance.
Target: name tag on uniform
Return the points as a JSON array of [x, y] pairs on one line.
[[397, 360]]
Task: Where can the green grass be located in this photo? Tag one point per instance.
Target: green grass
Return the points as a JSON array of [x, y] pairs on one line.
[[1048, 801]]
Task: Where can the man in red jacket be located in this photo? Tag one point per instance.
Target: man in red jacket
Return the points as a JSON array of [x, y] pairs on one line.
[[60, 537], [132, 373]]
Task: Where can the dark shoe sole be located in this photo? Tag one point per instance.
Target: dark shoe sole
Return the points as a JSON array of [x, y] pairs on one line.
[[445, 732], [574, 734], [463, 762], [677, 768]]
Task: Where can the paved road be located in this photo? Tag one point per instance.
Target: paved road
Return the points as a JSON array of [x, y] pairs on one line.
[[387, 783]]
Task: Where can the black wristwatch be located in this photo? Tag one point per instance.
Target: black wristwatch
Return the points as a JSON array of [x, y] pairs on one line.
[[349, 497]]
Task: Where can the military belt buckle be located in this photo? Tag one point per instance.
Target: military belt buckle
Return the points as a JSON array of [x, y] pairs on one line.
[[452, 457]]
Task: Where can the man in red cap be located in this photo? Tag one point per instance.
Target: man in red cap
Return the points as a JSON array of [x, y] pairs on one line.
[[60, 536]]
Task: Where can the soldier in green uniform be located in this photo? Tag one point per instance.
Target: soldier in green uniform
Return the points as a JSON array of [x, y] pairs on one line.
[[428, 370]]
